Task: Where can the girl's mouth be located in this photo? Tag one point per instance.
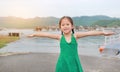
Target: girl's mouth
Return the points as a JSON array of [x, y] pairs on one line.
[[66, 29]]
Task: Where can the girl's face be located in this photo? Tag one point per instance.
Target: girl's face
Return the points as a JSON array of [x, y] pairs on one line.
[[66, 26]]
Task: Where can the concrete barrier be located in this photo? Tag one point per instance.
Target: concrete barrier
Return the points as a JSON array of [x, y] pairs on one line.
[[14, 34]]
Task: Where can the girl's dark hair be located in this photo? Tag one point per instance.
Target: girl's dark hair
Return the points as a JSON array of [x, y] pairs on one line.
[[69, 18]]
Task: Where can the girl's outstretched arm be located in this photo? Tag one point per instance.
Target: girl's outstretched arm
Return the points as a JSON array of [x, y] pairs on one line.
[[44, 34], [92, 33]]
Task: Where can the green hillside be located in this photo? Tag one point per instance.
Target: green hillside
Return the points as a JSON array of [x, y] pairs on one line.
[[108, 23], [89, 20], [16, 22]]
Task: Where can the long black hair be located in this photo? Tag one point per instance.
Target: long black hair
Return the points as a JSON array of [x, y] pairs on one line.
[[70, 19]]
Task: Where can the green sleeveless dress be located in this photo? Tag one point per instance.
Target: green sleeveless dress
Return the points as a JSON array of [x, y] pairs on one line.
[[68, 60]]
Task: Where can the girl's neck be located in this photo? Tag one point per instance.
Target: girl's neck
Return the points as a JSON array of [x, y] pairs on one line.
[[67, 34], [67, 37]]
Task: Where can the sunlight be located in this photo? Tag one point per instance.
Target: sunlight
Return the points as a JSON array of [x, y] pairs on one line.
[[58, 8], [19, 9]]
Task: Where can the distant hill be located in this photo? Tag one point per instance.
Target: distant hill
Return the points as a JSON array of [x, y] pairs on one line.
[[89, 20], [109, 23], [16, 22]]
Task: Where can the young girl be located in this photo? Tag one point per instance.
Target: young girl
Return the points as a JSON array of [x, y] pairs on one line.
[[68, 60]]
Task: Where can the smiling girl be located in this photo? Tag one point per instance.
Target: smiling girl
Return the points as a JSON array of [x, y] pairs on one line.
[[68, 60]]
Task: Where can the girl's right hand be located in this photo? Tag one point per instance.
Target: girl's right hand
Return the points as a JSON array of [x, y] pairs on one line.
[[32, 35]]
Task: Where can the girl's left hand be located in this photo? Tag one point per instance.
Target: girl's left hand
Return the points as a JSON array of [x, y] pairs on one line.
[[108, 33]]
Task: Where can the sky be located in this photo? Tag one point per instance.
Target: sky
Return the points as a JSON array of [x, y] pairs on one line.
[[59, 8]]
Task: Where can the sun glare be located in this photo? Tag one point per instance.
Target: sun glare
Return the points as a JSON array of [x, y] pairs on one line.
[[19, 10]]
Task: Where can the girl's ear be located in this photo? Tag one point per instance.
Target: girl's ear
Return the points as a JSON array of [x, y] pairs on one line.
[[73, 27]]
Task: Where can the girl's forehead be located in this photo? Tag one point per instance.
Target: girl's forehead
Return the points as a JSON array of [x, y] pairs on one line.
[[65, 20]]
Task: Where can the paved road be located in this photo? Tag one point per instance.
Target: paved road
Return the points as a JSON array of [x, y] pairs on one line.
[[45, 62]]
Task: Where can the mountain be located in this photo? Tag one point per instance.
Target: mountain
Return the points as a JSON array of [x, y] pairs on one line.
[[89, 20], [109, 23], [16, 22]]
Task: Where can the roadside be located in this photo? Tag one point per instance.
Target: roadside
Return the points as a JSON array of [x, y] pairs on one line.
[[45, 62], [4, 39]]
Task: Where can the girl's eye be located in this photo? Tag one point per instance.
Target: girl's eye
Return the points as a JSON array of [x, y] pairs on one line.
[[62, 24], [67, 24]]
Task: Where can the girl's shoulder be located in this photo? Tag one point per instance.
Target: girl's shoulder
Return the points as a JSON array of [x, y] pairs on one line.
[[78, 35], [75, 35], [59, 36]]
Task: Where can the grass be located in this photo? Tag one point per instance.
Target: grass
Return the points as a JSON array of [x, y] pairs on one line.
[[6, 39]]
